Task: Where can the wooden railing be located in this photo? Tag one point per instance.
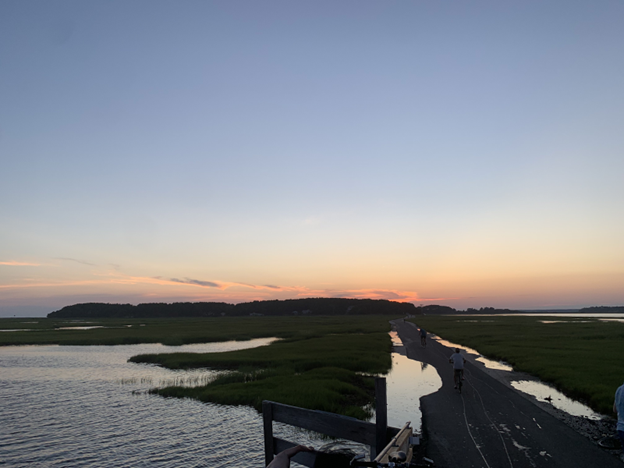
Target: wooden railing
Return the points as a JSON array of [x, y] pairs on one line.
[[375, 435]]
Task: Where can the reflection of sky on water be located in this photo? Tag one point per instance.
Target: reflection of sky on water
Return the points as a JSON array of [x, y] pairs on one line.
[[568, 321], [550, 395], [547, 314], [75, 406], [407, 382], [497, 365], [109, 363], [539, 390]]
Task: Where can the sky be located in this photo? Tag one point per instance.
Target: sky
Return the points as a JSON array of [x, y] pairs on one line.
[[469, 154]]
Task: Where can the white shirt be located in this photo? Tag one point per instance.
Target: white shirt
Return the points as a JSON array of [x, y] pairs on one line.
[[458, 361]]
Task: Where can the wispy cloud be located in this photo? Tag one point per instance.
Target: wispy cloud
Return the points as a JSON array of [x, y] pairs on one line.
[[238, 291], [14, 263], [388, 294], [206, 284], [67, 259]]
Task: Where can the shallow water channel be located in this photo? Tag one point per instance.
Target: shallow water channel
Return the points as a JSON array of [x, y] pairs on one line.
[[541, 391], [407, 382], [76, 406]]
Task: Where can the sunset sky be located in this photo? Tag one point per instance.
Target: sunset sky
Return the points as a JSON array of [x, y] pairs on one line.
[[469, 154]]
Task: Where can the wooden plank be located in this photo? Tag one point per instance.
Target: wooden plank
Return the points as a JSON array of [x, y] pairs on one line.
[[398, 442], [303, 458], [333, 425], [267, 420], [381, 410]]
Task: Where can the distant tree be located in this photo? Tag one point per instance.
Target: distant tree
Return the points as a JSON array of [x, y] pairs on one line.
[[602, 310], [315, 306], [434, 309]]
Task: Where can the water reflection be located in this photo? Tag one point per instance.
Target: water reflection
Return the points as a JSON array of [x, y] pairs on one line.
[[551, 395], [539, 390], [569, 321], [108, 363], [489, 363], [76, 406], [407, 382]]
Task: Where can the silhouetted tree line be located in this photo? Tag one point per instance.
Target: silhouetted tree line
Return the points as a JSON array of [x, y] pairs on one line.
[[602, 310], [491, 310], [445, 310], [310, 306]]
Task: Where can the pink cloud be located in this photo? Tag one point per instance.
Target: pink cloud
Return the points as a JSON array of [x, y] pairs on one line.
[[14, 263]]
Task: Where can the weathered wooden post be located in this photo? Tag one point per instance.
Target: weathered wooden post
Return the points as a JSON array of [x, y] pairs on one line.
[[267, 419], [381, 410]]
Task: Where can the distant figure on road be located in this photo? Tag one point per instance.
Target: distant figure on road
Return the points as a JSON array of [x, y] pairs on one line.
[[618, 407], [458, 366], [423, 337]]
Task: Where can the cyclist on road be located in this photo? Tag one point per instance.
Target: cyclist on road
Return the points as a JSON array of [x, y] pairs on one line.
[[458, 362], [423, 337]]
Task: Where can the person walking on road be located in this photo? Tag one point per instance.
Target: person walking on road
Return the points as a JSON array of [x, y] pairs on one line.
[[618, 407], [458, 362]]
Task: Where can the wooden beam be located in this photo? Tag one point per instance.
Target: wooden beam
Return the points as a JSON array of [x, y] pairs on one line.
[[267, 420], [381, 411], [333, 425], [399, 442]]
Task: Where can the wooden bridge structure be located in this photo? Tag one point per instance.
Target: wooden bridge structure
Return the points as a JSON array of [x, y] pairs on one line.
[[375, 435]]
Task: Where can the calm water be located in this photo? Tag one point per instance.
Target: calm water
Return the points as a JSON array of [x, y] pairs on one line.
[[408, 381], [76, 406], [70, 406]]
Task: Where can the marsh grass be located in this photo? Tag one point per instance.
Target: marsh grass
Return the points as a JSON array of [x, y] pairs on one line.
[[318, 367], [179, 331], [582, 357]]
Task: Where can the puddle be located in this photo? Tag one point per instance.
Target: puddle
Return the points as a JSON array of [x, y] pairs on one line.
[[570, 321], [90, 327], [406, 383], [489, 363], [548, 394], [476, 321], [17, 329], [396, 341], [539, 390]]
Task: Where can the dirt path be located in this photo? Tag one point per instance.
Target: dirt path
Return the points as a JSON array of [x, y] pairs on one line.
[[490, 425]]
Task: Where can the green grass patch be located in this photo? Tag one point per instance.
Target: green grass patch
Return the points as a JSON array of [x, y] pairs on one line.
[[318, 366], [582, 357], [177, 331], [330, 389]]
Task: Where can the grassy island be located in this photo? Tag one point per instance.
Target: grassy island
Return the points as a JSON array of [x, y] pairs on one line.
[[320, 364]]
